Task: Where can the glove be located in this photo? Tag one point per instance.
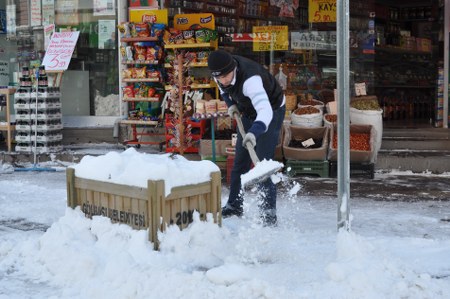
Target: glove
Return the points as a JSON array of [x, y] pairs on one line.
[[232, 109], [249, 140]]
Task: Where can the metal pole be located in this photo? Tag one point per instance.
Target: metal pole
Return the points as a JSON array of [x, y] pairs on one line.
[[446, 61], [343, 127]]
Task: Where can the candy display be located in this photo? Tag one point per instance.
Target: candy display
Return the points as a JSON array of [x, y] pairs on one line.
[[191, 36]]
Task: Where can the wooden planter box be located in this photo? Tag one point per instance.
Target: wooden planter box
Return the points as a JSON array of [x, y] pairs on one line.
[[145, 208]]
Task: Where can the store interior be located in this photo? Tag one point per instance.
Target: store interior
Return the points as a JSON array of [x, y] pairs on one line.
[[396, 49]]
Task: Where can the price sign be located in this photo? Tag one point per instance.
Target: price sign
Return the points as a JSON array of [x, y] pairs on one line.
[[60, 50], [320, 11]]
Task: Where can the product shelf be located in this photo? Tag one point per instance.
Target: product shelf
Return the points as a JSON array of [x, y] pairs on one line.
[[137, 99], [191, 45]]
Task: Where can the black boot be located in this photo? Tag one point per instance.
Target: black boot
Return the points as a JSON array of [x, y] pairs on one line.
[[228, 211], [269, 220], [269, 217]]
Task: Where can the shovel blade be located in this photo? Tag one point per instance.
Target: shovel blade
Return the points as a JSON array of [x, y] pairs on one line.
[[261, 172]]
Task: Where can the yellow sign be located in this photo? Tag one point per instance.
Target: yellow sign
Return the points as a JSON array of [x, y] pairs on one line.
[[270, 38], [138, 15], [321, 11], [190, 21]]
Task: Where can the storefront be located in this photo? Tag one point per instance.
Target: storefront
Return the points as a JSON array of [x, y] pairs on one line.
[[89, 86], [397, 49]]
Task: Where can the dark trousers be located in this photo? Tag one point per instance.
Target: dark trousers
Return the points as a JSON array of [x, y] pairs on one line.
[[265, 149]]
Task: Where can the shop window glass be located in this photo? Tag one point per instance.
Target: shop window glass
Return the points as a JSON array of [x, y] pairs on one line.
[[90, 85]]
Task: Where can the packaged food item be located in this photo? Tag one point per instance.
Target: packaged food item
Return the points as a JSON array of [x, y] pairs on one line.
[[150, 55], [170, 56], [205, 35], [142, 90], [157, 30], [159, 52], [190, 57], [202, 56], [123, 52], [176, 36], [140, 73], [201, 36], [139, 52], [126, 73], [222, 107], [142, 30], [167, 37], [124, 29], [129, 52], [153, 74], [151, 92], [133, 32], [189, 36], [128, 91]]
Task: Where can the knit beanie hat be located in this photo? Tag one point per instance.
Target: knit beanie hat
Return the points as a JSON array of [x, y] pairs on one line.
[[220, 63]]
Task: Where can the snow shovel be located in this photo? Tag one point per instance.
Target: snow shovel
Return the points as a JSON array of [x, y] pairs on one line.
[[262, 170]]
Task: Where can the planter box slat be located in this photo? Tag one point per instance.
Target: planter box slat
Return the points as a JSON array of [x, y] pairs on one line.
[[111, 188], [189, 190]]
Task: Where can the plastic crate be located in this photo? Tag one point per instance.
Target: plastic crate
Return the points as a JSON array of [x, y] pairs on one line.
[[356, 169], [294, 167]]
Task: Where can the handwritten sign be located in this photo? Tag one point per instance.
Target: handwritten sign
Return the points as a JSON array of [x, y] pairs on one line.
[[60, 50], [48, 31], [320, 11], [48, 12], [36, 13], [270, 38]]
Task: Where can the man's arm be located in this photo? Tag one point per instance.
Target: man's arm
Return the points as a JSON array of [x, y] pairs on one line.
[[254, 89]]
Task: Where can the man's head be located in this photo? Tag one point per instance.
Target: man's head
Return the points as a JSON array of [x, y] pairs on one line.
[[221, 64]]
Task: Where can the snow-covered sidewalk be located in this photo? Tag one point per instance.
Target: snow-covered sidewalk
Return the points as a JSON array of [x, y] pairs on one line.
[[395, 250]]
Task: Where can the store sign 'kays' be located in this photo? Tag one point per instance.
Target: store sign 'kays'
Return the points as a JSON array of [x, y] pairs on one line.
[[321, 11]]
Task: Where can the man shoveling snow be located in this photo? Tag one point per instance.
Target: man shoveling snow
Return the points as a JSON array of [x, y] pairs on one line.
[[250, 90]]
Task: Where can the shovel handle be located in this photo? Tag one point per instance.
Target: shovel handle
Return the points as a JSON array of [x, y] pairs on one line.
[[250, 149]]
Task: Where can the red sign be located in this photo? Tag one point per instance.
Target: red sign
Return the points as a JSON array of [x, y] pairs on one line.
[[242, 37]]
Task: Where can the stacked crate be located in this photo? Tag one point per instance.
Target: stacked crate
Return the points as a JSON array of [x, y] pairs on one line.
[[322, 160], [306, 160], [362, 151], [38, 119]]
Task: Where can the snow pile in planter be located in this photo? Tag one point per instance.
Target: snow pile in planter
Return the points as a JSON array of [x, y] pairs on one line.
[[135, 169]]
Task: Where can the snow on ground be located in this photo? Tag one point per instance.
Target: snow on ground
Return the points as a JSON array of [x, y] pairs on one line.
[[394, 250]]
